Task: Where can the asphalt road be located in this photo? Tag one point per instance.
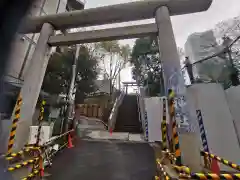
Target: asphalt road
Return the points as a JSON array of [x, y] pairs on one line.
[[105, 160]]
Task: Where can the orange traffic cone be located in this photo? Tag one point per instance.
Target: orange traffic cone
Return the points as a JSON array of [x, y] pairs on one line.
[[41, 167], [41, 172], [111, 131], [215, 167], [70, 144]]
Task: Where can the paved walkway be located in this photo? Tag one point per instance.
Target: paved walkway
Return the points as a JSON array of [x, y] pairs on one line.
[[104, 160]]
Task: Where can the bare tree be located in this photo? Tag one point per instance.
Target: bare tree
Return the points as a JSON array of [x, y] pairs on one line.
[[115, 57], [230, 29]]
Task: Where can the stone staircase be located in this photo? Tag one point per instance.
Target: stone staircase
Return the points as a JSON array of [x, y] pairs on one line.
[[128, 116]]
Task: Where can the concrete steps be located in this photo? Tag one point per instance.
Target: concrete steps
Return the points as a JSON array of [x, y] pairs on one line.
[[128, 116]]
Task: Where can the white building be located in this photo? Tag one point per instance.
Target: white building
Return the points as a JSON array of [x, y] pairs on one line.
[[199, 46], [24, 45]]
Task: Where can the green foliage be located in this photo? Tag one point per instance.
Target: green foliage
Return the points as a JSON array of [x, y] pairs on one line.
[[59, 72], [147, 68]]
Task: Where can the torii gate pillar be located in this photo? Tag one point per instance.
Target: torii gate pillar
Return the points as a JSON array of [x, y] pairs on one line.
[[167, 45], [32, 86], [173, 79]]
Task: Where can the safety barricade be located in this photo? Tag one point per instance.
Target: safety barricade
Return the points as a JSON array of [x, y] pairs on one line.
[[174, 154], [161, 168], [37, 152], [207, 176], [223, 161], [14, 124], [175, 137], [38, 161], [32, 174], [169, 155], [20, 153], [182, 169], [20, 165], [164, 126]]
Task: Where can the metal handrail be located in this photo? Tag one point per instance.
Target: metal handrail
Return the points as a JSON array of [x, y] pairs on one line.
[[114, 110], [57, 137]]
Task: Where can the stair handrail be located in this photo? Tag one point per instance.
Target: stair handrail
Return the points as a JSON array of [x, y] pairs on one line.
[[139, 108], [143, 117], [114, 111]]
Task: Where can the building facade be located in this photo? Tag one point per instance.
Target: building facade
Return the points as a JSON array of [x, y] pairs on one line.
[[24, 45], [199, 46]]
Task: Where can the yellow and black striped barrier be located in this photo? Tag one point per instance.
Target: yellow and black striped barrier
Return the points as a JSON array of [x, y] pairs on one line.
[[176, 145], [146, 125], [182, 169], [14, 124], [13, 155], [25, 163], [31, 175], [164, 126], [169, 155], [161, 168], [224, 161], [171, 117], [26, 149], [176, 148], [40, 119], [171, 110], [207, 176]]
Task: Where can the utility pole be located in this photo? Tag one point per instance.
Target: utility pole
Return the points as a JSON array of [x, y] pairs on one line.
[[71, 94]]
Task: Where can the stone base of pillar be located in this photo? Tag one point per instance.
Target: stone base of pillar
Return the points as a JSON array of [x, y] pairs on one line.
[[190, 149]]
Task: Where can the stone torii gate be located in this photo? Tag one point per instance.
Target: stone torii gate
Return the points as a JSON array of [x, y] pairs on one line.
[[161, 10], [127, 84]]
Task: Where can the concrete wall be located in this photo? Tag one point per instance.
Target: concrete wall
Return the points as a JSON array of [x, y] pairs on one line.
[[189, 145], [4, 132], [154, 111], [217, 120], [233, 99]]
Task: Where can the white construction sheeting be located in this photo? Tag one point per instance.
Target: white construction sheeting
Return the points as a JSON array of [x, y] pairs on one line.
[[217, 120], [233, 98], [45, 134], [154, 109]]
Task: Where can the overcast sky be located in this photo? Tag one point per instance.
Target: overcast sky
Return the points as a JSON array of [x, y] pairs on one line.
[[184, 25]]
